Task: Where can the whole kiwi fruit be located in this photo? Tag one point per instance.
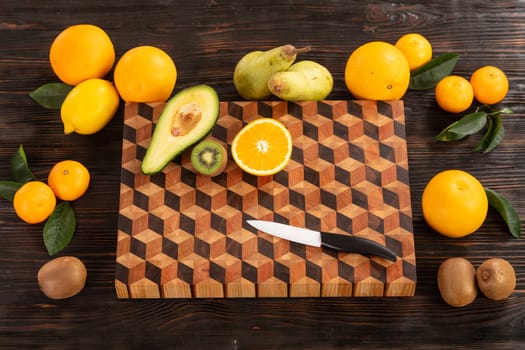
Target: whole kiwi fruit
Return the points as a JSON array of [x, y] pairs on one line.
[[62, 277], [496, 278], [456, 279]]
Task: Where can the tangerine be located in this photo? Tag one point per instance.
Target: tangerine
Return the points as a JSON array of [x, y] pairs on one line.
[[416, 48], [490, 85], [69, 179], [454, 94], [34, 202]]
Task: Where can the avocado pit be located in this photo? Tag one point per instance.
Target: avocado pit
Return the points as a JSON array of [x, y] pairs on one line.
[[185, 120]]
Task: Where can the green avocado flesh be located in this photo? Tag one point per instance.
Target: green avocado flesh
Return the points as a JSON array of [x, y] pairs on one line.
[[186, 119]]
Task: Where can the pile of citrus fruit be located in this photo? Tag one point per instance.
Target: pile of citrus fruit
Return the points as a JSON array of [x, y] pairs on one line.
[[488, 85], [35, 200], [83, 55], [379, 70]]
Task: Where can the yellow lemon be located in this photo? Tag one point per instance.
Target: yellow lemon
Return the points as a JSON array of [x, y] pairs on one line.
[[89, 106]]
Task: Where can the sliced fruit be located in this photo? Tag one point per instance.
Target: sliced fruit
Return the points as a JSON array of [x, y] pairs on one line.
[[262, 147], [209, 157], [187, 118]]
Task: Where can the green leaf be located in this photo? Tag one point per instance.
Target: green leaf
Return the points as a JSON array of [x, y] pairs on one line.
[[468, 125], [447, 135], [19, 168], [431, 73], [483, 143], [59, 228], [8, 189], [51, 95], [506, 210], [497, 134]]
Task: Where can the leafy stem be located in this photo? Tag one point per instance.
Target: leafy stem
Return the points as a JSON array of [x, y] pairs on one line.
[[484, 117]]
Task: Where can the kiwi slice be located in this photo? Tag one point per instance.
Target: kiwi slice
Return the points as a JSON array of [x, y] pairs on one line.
[[209, 157]]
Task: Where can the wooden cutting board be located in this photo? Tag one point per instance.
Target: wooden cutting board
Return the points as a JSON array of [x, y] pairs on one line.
[[183, 235]]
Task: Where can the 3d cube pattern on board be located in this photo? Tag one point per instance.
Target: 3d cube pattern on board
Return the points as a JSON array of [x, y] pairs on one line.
[[184, 235]]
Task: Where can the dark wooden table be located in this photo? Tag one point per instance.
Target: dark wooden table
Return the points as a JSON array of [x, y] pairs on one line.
[[206, 38]]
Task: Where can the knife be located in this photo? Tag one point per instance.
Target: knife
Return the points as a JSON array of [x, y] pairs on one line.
[[346, 243]]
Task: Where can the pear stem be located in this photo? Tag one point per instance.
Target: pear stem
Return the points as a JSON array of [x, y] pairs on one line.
[[291, 51]]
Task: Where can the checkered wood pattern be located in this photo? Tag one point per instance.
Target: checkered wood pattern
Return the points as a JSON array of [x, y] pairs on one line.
[[184, 235]]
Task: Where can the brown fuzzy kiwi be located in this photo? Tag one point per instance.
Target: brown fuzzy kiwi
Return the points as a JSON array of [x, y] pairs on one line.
[[457, 282], [496, 278], [209, 157]]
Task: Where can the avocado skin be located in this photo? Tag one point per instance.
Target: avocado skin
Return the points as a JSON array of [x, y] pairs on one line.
[[163, 146]]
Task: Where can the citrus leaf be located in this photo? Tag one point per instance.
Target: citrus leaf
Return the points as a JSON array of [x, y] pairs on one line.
[[496, 136], [506, 210], [8, 189], [447, 135], [51, 95], [59, 228], [483, 143], [431, 73], [19, 168], [468, 125]]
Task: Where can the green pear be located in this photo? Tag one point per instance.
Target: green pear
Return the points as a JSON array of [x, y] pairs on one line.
[[303, 81], [254, 69]]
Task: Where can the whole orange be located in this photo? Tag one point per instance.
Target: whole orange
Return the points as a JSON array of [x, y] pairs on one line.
[[454, 203], [145, 74], [377, 71], [69, 179], [490, 85], [454, 94], [416, 48], [81, 52], [34, 202]]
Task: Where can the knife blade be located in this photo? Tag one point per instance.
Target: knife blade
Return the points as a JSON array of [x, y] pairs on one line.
[[346, 243]]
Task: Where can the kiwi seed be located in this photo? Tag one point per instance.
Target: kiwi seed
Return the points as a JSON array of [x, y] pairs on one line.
[[209, 157]]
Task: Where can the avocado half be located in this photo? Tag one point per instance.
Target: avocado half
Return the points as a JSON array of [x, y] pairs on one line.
[[186, 119]]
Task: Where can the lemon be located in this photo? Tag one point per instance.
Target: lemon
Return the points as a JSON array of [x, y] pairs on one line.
[[89, 106]]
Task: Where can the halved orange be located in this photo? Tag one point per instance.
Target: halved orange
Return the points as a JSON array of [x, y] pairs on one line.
[[262, 147]]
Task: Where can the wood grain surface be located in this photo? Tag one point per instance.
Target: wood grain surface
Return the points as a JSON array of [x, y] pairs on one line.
[[206, 38]]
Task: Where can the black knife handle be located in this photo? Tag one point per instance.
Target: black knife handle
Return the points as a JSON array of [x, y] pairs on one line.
[[353, 244]]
